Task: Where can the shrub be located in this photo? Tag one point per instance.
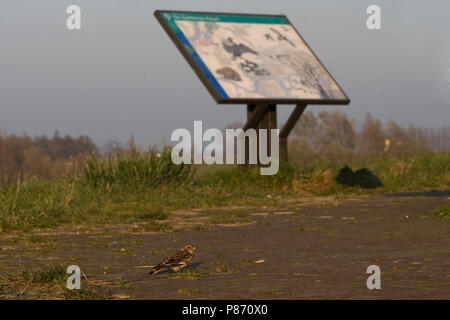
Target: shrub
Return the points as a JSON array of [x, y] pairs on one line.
[[135, 169]]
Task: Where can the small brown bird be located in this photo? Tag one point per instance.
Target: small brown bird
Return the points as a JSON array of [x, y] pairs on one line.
[[175, 262]]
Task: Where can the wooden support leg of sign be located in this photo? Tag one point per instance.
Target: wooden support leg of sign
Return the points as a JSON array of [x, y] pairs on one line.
[[287, 128], [255, 113], [270, 122], [265, 117], [260, 117]]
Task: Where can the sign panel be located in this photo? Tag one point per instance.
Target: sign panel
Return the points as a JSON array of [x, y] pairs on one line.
[[251, 58]]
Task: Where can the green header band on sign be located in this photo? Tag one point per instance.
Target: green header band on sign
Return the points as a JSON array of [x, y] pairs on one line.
[[206, 17]]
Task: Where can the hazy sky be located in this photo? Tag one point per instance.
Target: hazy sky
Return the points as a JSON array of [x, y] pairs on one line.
[[122, 75]]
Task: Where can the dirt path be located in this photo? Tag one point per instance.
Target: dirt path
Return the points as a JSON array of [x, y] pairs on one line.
[[304, 251]]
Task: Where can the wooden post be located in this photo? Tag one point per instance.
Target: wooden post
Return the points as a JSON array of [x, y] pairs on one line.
[[265, 124], [250, 111], [287, 128], [271, 116], [255, 114], [260, 117], [265, 117]]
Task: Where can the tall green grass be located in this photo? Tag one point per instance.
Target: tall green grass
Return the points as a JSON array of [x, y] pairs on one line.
[[243, 179], [135, 169]]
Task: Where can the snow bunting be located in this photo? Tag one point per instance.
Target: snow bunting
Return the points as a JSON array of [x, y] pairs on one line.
[[175, 262]]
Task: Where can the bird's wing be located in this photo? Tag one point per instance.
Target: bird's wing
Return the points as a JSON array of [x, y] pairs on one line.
[[181, 257]]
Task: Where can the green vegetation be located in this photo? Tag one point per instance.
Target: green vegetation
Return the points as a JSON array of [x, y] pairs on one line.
[[230, 217], [442, 212], [189, 291], [135, 170], [53, 273], [89, 293], [48, 282], [143, 188], [188, 274]]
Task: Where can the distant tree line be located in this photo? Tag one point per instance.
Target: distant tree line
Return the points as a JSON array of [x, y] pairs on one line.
[[438, 138], [332, 133], [22, 157]]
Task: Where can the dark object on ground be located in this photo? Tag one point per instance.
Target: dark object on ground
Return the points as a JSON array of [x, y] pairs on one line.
[[363, 178]]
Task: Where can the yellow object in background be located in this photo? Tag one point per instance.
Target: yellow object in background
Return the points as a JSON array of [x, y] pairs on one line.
[[387, 144]]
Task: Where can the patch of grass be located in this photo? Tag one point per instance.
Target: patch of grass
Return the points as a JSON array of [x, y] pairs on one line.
[[45, 242], [88, 293], [189, 291], [442, 212], [49, 282], [201, 227], [143, 189], [2, 289], [52, 273], [229, 217], [99, 244], [223, 267], [154, 226], [188, 274], [246, 262], [32, 241], [421, 171], [135, 169], [158, 214], [33, 238], [125, 251], [45, 281], [134, 241]]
